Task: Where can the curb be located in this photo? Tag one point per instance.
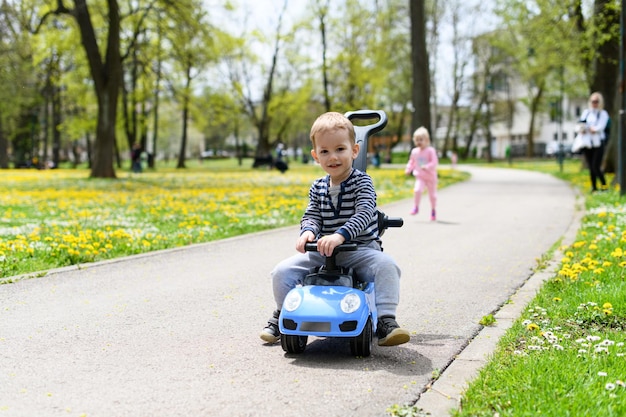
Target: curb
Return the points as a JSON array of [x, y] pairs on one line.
[[446, 392]]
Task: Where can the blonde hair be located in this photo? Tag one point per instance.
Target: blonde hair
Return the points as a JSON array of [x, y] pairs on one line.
[[421, 132], [597, 95], [331, 121]]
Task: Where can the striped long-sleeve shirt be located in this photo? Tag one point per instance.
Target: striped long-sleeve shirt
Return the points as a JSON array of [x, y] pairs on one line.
[[354, 214]]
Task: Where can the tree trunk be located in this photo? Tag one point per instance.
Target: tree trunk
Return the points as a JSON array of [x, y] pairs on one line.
[[183, 139], [46, 123], [56, 125], [606, 75], [534, 108], [602, 65], [451, 119], [4, 148], [155, 124], [475, 119], [421, 75], [322, 16], [125, 116], [155, 130], [107, 76], [263, 122], [103, 147]]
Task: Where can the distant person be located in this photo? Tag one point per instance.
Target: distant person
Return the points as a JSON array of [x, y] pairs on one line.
[[422, 164], [592, 124], [342, 208], [135, 157], [280, 163], [376, 159], [454, 159], [280, 151]]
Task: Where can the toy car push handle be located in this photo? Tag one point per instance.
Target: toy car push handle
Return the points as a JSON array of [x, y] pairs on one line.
[[344, 247], [364, 132], [331, 264]]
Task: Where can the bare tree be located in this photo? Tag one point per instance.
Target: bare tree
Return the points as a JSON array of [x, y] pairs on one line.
[[322, 14], [458, 70], [258, 111], [421, 73]]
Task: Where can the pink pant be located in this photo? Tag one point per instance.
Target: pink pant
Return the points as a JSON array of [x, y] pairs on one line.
[[431, 186]]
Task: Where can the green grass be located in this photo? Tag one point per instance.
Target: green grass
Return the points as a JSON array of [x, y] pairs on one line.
[[566, 354]]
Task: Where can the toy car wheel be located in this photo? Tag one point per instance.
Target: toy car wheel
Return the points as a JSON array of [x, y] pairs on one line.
[[361, 345], [292, 343]]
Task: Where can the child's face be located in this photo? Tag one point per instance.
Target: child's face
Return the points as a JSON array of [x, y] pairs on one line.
[[334, 151], [420, 141]]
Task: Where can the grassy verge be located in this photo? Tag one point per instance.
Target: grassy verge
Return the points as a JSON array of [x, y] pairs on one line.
[[566, 354], [56, 218]]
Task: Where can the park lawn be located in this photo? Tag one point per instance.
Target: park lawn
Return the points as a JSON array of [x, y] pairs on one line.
[[566, 354], [56, 218]]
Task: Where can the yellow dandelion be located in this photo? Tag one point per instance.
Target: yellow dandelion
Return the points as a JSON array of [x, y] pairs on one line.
[[532, 326]]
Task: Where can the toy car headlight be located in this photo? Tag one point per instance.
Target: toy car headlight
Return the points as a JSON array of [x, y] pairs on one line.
[[350, 303], [292, 301]]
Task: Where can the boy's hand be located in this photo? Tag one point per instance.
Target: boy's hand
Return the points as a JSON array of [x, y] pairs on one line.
[[304, 238], [327, 244]]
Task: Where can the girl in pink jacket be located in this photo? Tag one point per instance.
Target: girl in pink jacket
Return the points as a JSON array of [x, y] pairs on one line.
[[422, 164]]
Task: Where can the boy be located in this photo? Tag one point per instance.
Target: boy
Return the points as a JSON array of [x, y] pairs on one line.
[[342, 208]]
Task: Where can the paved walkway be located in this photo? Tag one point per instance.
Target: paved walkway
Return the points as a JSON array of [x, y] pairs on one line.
[[175, 333]]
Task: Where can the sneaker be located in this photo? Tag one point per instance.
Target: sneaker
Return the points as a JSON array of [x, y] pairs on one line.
[[414, 211], [271, 333], [433, 215], [389, 333]]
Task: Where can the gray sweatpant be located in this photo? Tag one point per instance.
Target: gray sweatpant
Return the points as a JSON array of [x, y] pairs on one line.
[[369, 264]]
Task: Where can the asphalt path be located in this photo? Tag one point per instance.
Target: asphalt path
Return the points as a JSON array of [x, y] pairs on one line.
[[175, 333]]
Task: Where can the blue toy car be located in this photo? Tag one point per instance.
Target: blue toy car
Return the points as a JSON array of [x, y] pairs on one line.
[[330, 303]]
